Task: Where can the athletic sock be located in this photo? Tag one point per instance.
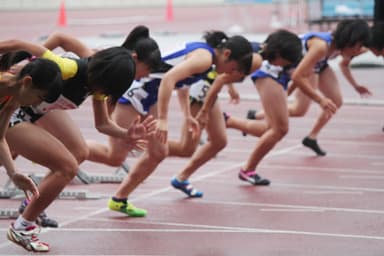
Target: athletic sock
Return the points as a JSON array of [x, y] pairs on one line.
[[119, 200], [22, 224]]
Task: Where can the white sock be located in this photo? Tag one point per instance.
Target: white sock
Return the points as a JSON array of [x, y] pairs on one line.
[[22, 224]]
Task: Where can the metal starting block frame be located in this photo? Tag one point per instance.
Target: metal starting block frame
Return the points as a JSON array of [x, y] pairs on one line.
[[117, 177], [8, 214], [68, 194]]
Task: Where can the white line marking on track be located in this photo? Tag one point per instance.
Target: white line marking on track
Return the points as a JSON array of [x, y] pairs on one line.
[[224, 230]]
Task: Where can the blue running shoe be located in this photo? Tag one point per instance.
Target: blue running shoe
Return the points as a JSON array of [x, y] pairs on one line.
[[186, 187]]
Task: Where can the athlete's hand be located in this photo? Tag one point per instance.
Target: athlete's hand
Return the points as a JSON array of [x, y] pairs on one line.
[[234, 95], [363, 91], [328, 106], [26, 184], [135, 131], [162, 130], [202, 118], [193, 126], [150, 125]]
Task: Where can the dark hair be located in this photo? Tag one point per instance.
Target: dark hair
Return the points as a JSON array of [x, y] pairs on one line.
[[7, 60], [351, 32], [46, 76], [145, 47], [241, 48], [283, 44], [111, 72], [377, 39]]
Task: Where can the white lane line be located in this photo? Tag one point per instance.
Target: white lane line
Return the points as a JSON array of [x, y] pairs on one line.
[[333, 192], [160, 191], [322, 169], [289, 210], [334, 188], [219, 231], [290, 206], [362, 177]]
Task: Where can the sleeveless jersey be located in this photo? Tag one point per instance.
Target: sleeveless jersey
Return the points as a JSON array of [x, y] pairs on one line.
[[325, 36], [143, 93], [75, 91]]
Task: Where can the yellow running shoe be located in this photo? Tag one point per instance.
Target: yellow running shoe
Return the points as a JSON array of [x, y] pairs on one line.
[[127, 208]]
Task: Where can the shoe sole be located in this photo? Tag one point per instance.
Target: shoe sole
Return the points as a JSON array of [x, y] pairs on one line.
[[11, 238], [250, 180]]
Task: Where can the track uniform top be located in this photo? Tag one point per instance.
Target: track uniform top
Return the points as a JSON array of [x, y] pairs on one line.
[[325, 36], [280, 74], [75, 91], [143, 93]]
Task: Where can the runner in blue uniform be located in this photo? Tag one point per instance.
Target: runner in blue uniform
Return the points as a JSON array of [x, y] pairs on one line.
[[348, 40], [270, 66], [182, 68]]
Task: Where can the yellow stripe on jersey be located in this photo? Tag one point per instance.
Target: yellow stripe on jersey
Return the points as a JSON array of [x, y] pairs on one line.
[[100, 96], [67, 67]]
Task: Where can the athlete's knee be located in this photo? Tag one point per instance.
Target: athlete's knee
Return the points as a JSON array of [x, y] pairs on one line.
[[158, 155], [81, 153], [117, 160], [186, 151], [66, 168], [297, 112], [339, 102], [280, 131], [220, 144]]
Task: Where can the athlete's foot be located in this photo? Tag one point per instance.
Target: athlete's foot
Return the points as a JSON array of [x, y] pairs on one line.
[[312, 144], [42, 220]]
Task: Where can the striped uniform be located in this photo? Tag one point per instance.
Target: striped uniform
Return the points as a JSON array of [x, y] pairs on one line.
[[143, 93], [327, 37], [75, 91]]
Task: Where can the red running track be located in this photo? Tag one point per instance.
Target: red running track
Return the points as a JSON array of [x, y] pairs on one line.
[[315, 205]]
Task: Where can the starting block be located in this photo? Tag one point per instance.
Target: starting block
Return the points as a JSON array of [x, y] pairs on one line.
[[117, 177], [9, 214]]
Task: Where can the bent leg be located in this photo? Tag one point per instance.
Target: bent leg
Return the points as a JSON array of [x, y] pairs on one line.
[[39, 146], [117, 150], [187, 144], [61, 125], [277, 117]]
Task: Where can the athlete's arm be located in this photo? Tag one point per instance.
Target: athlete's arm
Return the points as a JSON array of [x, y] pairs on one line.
[[68, 43], [345, 69], [300, 77], [21, 181], [103, 122], [197, 62], [18, 45]]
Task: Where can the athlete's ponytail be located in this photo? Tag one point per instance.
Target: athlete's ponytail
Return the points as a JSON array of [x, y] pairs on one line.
[[7, 60], [144, 46], [241, 48], [111, 72]]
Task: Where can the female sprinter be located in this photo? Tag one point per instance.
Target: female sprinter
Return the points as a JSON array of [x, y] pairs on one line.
[[348, 40], [38, 81], [108, 73], [183, 68], [270, 61]]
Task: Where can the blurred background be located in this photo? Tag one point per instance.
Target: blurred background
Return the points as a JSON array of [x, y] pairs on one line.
[[102, 23]]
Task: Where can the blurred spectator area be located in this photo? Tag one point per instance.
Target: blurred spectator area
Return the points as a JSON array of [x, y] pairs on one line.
[[326, 13], [86, 4]]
